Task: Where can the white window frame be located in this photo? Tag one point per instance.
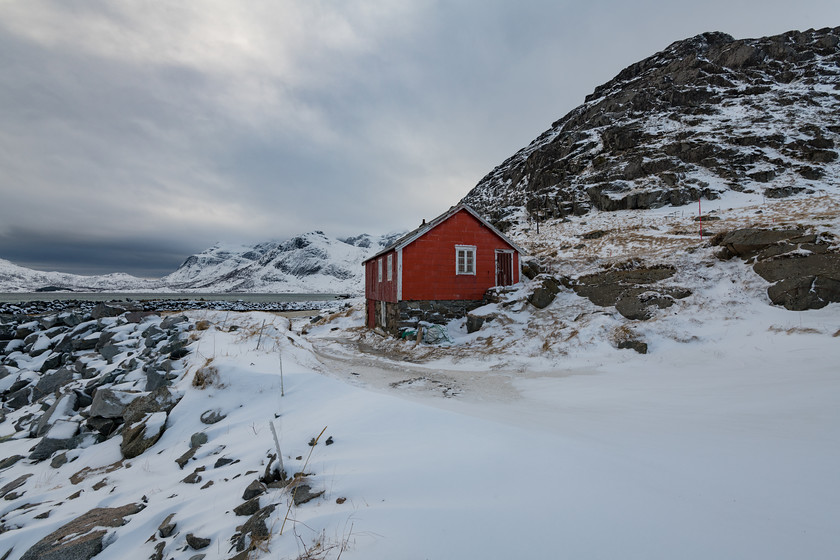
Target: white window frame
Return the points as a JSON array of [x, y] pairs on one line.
[[379, 268], [469, 252], [390, 267]]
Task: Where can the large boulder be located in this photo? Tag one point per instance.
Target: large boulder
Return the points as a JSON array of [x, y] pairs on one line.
[[49, 383], [61, 435], [111, 403], [802, 282], [145, 421], [140, 435], [546, 288]]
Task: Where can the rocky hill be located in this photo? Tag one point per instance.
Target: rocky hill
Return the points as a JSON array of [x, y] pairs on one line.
[[706, 115]]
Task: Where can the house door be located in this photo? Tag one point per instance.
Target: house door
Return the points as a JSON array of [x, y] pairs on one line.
[[504, 268], [371, 313]]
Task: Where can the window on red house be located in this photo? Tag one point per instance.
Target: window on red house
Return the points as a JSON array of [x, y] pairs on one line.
[[465, 259]]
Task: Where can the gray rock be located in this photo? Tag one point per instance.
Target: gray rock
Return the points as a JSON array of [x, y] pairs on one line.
[[637, 345], [58, 460], [137, 436], [71, 320], [641, 306], [253, 490], [19, 398], [184, 459], [253, 529], [81, 539], [197, 543], [544, 292], [110, 351], [212, 416], [748, 242], [303, 493], [9, 461], [250, 507], [103, 426], [49, 383], [172, 321], [198, 439], [53, 361], [155, 377], [104, 310], [14, 485], [110, 403], [474, 322], [167, 527], [66, 403], [49, 445], [139, 316], [156, 401], [27, 329], [222, 461], [7, 331]]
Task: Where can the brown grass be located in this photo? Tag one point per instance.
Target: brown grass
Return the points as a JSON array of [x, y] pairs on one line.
[[206, 376]]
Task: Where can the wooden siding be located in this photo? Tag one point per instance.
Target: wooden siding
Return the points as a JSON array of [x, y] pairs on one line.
[[428, 271], [385, 290]]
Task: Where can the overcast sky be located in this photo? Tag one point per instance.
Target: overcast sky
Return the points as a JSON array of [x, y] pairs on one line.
[[135, 133]]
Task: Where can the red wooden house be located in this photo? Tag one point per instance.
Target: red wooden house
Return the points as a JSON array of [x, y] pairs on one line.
[[439, 271]]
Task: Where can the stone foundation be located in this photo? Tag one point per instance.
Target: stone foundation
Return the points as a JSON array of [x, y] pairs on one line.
[[436, 311], [408, 314]]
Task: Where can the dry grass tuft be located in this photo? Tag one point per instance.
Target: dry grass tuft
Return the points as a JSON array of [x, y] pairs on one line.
[[202, 325], [206, 376], [795, 330]]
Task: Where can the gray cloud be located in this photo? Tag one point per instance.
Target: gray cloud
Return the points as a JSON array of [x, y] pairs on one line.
[[166, 127]]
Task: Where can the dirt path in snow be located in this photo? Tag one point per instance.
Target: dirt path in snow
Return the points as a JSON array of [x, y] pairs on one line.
[[362, 365]]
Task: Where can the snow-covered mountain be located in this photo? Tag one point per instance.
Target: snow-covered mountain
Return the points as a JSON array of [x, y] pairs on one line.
[[308, 263], [706, 115], [14, 278]]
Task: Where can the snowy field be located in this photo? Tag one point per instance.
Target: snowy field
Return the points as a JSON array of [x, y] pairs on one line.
[[532, 438]]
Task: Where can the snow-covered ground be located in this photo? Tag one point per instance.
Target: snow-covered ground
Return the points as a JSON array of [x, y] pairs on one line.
[[533, 437]]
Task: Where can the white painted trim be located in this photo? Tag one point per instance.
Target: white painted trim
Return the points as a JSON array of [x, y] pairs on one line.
[[474, 251], [399, 274]]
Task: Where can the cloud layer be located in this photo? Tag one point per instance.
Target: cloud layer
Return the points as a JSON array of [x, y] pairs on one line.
[[133, 133]]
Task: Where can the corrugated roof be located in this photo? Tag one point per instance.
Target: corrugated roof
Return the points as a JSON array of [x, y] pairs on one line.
[[412, 236]]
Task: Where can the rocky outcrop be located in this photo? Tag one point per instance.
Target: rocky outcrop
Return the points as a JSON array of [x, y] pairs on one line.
[[53, 373], [752, 114], [803, 268], [82, 538], [631, 288]]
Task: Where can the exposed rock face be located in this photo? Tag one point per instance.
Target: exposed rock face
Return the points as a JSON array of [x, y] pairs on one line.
[[631, 289], [81, 539], [804, 269], [66, 398], [706, 114]]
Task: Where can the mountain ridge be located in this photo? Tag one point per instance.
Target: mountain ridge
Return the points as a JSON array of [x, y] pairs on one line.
[[705, 115]]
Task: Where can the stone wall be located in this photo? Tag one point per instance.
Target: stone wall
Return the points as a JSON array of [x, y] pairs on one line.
[[435, 311]]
